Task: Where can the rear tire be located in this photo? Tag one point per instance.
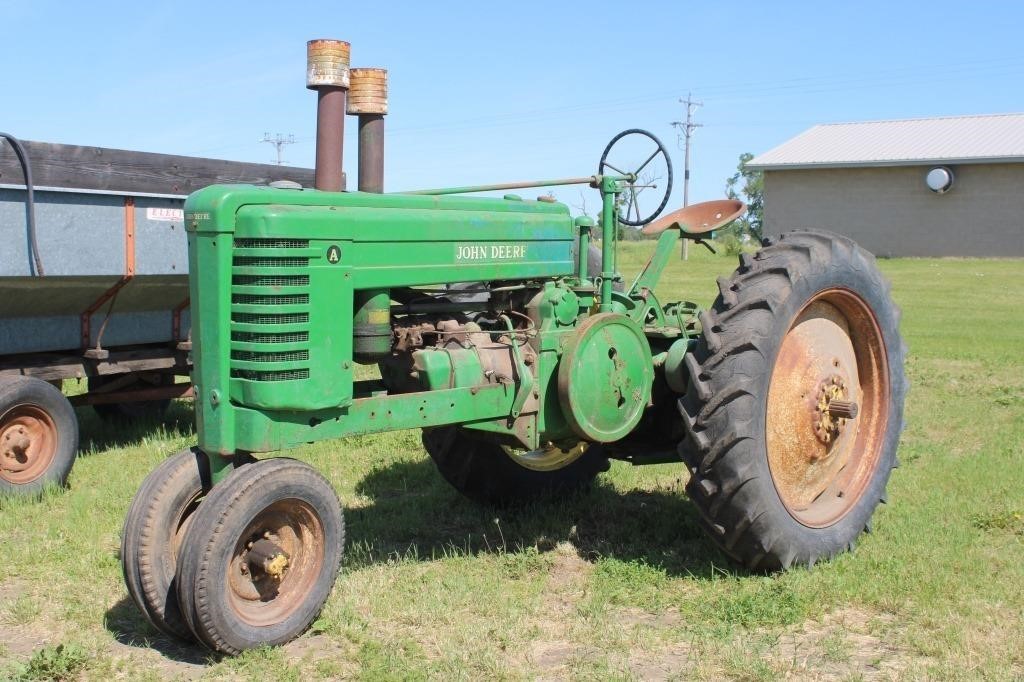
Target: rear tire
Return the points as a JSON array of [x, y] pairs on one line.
[[785, 481], [38, 436], [486, 473]]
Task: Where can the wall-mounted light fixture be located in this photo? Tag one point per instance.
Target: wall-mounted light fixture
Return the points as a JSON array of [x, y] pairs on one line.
[[939, 179]]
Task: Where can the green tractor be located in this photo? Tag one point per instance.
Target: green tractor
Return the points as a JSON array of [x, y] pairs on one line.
[[784, 399]]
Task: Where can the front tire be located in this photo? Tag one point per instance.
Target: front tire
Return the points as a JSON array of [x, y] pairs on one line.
[[803, 333], [156, 522], [155, 526], [261, 556]]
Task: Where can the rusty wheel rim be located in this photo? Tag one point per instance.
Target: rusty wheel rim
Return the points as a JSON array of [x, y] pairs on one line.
[[263, 593], [182, 522], [832, 356], [550, 457], [28, 443]]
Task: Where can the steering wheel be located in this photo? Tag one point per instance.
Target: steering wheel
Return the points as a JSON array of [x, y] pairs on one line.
[[639, 182]]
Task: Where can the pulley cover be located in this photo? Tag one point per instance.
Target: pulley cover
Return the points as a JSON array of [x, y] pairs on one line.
[[605, 376]]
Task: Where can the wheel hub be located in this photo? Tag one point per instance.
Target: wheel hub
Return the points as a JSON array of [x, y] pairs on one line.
[[265, 558], [15, 444], [832, 409], [275, 561], [28, 443], [825, 411]]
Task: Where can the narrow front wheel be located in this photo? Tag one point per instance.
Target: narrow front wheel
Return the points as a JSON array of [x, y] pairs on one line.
[[261, 555], [157, 519]]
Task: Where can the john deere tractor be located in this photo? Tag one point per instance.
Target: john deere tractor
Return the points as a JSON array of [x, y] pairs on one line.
[[518, 349]]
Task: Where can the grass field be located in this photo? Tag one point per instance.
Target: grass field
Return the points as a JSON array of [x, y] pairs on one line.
[[617, 583]]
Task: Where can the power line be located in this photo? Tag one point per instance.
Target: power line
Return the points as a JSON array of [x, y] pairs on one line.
[[279, 141], [686, 129], [914, 75]]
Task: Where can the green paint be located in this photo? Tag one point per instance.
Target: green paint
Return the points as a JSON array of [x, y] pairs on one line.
[[609, 370], [289, 289]]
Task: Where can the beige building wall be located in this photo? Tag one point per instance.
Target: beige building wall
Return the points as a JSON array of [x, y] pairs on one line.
[[891, 212]]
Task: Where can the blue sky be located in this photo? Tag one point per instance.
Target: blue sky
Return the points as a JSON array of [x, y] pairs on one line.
[[488, 92]]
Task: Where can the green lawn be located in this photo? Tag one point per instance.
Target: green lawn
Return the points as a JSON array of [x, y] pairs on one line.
[[616, 583]]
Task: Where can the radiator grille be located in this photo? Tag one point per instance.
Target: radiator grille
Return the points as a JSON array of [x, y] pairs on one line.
[[259, 356], [282, 318], [255, 337], [263, 327], [243, 243], [250, 299], [271, 280], [270, 262], [279, 375]]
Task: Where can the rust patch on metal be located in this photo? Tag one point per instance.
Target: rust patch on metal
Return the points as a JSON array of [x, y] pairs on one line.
[[28, 443], [327, 72], [327, 63], [276, 561], [831, 420], [111, 293], [701, 218], [831, 368], [368, 91]]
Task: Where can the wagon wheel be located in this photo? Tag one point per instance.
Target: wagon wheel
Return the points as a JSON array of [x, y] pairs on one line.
[[38, 435], [795, 402], [260, 556], [636, 158]]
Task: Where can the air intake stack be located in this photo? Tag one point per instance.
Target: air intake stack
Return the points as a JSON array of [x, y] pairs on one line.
[[327, 72], [368, 99]]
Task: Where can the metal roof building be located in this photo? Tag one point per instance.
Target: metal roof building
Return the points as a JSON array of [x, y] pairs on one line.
[[946, 186]]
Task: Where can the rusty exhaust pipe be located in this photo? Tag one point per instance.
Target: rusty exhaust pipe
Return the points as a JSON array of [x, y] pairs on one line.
[[368, 99], [327, 72]]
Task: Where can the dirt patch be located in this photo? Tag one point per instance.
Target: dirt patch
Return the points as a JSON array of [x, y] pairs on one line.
[[313, 650], [849, 643], [564, 589], [21, 633], [566, 581], [633, 617], [551, 655]]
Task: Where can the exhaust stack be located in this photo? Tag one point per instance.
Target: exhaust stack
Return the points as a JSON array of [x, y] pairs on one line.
[[368, 99], [327, 72]]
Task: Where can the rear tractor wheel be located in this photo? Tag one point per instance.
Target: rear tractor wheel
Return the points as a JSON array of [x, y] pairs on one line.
[[795, 402], [493, 474], [260, 556]]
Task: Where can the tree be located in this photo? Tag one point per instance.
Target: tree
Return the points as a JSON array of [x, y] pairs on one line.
[[748, 186]]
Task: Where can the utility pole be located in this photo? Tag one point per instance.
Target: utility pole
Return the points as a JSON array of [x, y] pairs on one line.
[[686, 129], [278, 141]]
